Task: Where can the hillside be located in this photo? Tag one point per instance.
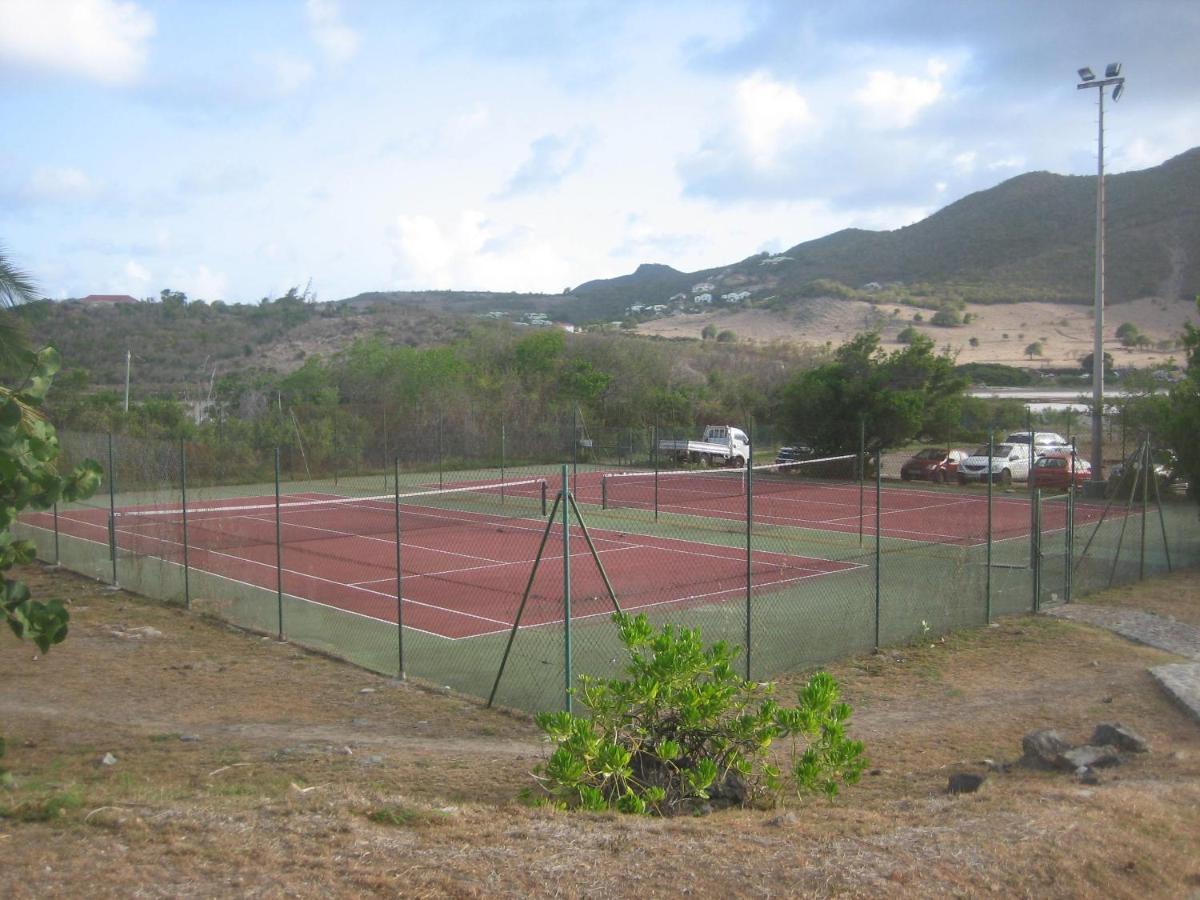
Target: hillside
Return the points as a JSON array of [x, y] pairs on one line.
[[1030, 238]]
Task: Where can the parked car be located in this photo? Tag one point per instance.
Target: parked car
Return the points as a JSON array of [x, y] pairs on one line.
[[1009, 463], [1040, 441], [933, 464], [1166, 472], [1056, 470], [792, 455]]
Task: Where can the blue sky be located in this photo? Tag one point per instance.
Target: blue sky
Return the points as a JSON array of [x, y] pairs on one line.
[[235, 149]]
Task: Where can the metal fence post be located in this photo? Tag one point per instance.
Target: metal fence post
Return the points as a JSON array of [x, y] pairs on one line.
[[56, 552], [987, 591], [878, 539], [112, 509], [1035, 548], [399, 582], [278, 551], [566, 542], [1148, 467], [187, 588], [749, 482], [862, 475]]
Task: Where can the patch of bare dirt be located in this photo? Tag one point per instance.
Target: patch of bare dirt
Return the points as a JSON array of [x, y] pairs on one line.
[[1001, 332], [245, 767]]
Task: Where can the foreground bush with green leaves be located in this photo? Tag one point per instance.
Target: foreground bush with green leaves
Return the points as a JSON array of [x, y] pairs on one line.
[[683, 730]]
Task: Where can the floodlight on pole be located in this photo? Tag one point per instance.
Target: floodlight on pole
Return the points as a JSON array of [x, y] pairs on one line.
[[1087, 79]]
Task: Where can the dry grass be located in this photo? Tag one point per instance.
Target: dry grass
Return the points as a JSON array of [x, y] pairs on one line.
[[1002, 331], [299, 785]]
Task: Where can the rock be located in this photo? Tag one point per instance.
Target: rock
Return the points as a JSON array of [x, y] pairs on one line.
[[964, 783], [779, 821], [189, 738], [1088, 756], [366, 690], [1043, 748], [108, 760], [1086, 775], [1120, 736]]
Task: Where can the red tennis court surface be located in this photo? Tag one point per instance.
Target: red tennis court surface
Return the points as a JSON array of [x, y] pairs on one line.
[[950, 516], [463, 575]]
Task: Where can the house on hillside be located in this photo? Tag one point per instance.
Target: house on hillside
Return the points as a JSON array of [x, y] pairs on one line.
[[678, 298], [703, 287], [704, 298], [735, 296], [107, 299]]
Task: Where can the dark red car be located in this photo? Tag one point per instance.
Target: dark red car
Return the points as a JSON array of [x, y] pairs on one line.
[[933, 464], [1054, 470]]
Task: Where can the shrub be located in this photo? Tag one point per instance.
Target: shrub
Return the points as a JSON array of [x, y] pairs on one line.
[[946, 317], [907, 335], [683, 729]]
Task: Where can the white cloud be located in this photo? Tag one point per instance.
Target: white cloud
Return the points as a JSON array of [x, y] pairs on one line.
[[287, 73], [1008, 162], [894, 101], [65, 183], [138, 273], [103, 40], [965, 162], [337, 40], [199, 283], [552, 158], [770, 114], [473, 253]]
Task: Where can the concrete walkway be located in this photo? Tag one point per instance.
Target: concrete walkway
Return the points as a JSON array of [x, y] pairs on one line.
[[1180, 680]]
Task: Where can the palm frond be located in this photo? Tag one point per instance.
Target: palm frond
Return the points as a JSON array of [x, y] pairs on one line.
[[15, 286]]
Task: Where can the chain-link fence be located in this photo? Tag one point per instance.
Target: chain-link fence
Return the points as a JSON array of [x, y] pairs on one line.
[[492, 565]]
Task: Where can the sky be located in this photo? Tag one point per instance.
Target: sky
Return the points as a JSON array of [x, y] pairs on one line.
[[232, 150]]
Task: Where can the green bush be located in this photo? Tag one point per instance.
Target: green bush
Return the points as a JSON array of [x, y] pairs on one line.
[[682, 729]]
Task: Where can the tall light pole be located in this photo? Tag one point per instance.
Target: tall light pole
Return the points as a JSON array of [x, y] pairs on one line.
[[1088, 79]]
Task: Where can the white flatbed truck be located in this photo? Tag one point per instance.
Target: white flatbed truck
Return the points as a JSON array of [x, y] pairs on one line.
[[721, 445]]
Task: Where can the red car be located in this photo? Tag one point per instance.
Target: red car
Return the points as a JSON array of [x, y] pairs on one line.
[[1053, 470], [933, 464]]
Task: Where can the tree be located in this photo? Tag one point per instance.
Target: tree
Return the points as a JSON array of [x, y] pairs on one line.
[[899, 396], [727, 337], [1034, 349], [708, 332], [1183, 423], [1128, 334], [15, 287], [908, 334], [946, 318], [1086, 363], [29, 480], [974, 342]]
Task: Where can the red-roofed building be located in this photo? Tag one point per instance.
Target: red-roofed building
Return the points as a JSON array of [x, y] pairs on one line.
[[108, 298]]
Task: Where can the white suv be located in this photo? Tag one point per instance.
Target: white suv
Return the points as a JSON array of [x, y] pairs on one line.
[[1041, 441], [1009, 463]]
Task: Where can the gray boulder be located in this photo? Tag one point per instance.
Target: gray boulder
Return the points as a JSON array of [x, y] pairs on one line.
[[1043, 748], [1120, 736]]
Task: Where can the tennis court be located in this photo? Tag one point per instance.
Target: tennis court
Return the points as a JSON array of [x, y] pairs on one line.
[[462, 565], [824, 499]]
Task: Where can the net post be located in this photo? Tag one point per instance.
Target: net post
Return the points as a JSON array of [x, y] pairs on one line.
[[399, 580], [441, 483], [566, 543], [543, 491], [187, 587], [503, 438], [878, 539], [278, 552], [604, 491], [749, 483], [987, 590], [112, 510]]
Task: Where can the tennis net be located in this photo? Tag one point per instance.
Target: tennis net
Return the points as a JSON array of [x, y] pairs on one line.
[[692, 489], [303, 518]]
